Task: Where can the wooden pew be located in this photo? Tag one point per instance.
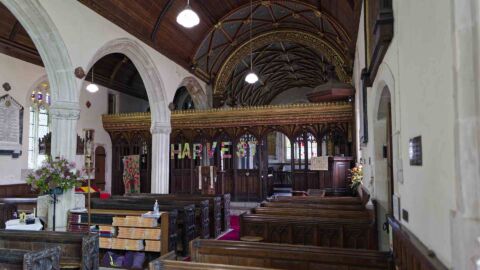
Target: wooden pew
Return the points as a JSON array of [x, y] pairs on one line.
[[319, 200], [185, 221], [77, 249], [329, 213], [14, 259], [307, 205], [169, 262], [316, 231], [22, 204], [409, 252], [6, 213], [203, 210], [283, 256], [221, 211]]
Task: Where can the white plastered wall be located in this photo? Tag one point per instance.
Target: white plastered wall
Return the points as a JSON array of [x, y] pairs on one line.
[[417, 69], [21, 76]]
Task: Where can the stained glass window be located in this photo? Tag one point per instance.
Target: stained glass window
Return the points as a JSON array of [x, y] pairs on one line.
[[39, 124]]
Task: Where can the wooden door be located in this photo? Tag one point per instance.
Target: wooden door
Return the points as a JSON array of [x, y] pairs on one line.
[[248, 185], [100, 156]]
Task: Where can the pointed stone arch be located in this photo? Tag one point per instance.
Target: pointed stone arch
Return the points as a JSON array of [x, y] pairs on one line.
[[160, 114], [148, 72], [198, 94], [65, 110]]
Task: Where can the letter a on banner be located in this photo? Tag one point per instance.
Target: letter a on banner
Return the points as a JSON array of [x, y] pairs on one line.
[[186, 151]]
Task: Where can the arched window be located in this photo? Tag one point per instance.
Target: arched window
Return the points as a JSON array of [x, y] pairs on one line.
[[39, 123]]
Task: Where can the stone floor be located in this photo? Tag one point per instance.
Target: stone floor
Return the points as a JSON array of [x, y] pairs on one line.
[[238, 208]]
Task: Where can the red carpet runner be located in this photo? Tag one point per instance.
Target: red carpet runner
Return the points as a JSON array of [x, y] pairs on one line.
[[234, 234]]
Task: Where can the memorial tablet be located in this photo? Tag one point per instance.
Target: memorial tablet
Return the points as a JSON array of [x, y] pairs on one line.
[[11, 127]]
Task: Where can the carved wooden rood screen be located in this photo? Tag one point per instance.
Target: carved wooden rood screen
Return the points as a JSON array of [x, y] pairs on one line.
[[248, 152]]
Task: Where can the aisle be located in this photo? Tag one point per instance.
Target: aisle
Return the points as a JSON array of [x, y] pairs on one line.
[[234, 233]]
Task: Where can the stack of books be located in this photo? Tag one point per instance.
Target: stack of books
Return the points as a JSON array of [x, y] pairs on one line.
[[107, 231], [134, 245], [148, 222], [118, 243], [119, 221], [105, 242], [152, 234], [74, 223], [154, 246]]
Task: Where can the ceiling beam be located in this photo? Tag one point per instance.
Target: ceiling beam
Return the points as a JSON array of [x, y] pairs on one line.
[[153, 35], [15, 29], [20, 51], [117, 67], [118, 86]]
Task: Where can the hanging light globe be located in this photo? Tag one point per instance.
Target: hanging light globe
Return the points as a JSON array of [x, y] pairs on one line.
[[188, 18], [251, 78], [92, 88]]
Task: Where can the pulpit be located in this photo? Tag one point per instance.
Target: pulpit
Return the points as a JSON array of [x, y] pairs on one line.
[[340, 172]]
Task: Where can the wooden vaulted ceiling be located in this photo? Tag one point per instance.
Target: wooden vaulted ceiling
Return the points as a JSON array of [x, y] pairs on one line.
[[116, 71], [282, 66], [223, 27], [14, 40]]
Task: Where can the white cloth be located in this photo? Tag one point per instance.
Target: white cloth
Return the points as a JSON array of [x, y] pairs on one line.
[[14, 224]]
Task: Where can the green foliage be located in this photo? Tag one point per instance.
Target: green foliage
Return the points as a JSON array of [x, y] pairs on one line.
[[57, 174]]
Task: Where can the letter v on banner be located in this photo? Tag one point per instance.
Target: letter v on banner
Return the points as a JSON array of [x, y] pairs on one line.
[[211, 151]]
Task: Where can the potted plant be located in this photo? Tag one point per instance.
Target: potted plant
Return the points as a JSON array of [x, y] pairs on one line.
[[54, 177], [357, 177]]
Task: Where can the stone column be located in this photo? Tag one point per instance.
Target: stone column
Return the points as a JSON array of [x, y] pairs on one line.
[[64, 117], [466, 217], [160, 157]]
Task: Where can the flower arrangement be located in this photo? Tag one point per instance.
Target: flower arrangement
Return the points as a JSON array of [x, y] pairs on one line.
[[54, 176], [357, 177]]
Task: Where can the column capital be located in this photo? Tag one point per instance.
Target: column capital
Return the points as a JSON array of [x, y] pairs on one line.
[[65, 110], [160, 128]]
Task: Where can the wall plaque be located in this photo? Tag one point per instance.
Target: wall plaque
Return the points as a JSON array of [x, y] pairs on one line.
[[319, 163], [11, 126], [415, 151]]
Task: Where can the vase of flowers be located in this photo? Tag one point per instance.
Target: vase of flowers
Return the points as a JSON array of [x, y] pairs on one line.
[[54, 177], [55, 180], [357, 177]]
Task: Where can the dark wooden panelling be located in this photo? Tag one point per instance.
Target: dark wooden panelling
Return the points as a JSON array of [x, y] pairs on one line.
[[379, 35], [409, 252], [131, 143], [316, 231], [288, 256], [17, 190]]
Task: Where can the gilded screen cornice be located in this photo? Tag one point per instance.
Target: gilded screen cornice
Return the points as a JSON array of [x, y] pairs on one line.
[[309, 113]]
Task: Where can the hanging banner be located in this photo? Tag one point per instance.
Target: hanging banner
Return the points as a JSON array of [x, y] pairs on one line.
[[184, 150]]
